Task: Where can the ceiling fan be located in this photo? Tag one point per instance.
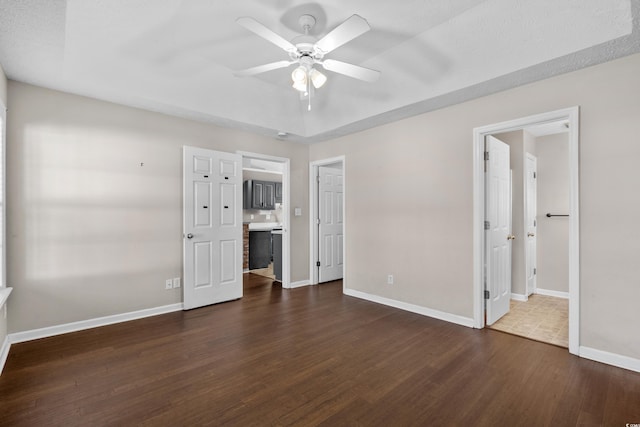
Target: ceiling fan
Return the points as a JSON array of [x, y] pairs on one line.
[[306, 51]]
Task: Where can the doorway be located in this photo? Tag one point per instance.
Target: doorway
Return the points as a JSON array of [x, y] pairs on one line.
[[539, 313], [267, 226], [327, 219], [569, 117]]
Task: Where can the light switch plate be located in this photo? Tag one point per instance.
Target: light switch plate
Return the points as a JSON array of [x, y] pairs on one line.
[[176, 282], [297, 212]]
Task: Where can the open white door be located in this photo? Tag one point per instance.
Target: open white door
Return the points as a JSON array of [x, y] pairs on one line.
[[212, 203], [498, 229], [330, 229], [530, 222]]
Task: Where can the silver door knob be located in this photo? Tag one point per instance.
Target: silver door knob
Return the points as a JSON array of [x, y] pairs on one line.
[[530, 234], [511, 237], [189, 236]]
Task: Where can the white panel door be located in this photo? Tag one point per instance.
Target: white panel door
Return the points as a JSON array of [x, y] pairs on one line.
[[212, 203], [330, 229], [498, 233], [530, 222]]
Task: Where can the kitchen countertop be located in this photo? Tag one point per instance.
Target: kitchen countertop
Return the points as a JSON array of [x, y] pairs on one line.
[[264, 226]]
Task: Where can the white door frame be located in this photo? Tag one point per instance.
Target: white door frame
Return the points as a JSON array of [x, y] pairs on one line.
[[479, 133], [286, 201], [313, 210]]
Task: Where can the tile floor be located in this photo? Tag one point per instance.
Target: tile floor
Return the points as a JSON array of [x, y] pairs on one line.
[[542, 318], [266, 272]]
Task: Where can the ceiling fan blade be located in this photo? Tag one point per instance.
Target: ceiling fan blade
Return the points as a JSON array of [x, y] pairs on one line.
[[347, 31], [355, 71], [263, 68], [259, 29]]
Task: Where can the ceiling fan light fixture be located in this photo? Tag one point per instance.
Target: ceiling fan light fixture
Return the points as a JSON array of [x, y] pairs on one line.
[[302, 87], [299, 77], [317, 78]]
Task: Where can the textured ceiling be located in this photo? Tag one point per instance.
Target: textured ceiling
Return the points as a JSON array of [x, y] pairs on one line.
[[177, 57]]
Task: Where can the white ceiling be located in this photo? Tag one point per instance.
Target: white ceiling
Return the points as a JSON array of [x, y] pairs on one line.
[[177, 57]]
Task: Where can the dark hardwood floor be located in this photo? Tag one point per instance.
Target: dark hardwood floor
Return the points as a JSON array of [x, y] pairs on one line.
[[306, 356]]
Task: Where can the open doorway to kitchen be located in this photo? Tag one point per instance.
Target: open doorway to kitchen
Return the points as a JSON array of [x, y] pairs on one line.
[[327, 212], [266, 185], [531, 226]]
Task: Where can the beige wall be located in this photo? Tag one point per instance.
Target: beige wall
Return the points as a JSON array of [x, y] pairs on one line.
[[94, 233], [553, 197], [409, 199]]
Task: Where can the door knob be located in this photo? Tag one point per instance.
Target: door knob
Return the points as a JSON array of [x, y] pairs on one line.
[[530, 234], [189, 236], [511, 237]]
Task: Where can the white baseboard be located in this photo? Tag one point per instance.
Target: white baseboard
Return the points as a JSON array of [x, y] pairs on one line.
[[519, 297], [299, 284], [4, 352], [549, 293], [50, 331], [618, 360], [441, 315]]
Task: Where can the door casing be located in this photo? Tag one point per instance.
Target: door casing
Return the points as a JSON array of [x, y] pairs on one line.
[[572, 116]]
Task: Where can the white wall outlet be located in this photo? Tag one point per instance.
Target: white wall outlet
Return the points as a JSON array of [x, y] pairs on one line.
[[390, 279], [176, 282], [297, 211], [168, 284]]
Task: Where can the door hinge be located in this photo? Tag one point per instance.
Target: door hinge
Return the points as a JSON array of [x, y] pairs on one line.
[[317, 263], [535, 223], [487, 225], [486, 294], [534, 175], [486, 155], [535, 271]]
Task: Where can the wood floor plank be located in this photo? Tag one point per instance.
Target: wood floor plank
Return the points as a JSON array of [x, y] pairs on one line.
[[307, 356]]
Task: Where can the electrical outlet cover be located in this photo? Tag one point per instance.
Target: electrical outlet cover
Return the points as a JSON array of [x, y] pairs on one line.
[[176, 282], [168, 284]]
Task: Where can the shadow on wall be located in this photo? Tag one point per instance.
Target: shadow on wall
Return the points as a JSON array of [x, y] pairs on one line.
[[94, 222]]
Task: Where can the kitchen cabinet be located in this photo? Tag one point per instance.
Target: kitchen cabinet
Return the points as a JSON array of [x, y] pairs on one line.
[[276, 244], [259, 249], [278, 192], [259, 195]]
